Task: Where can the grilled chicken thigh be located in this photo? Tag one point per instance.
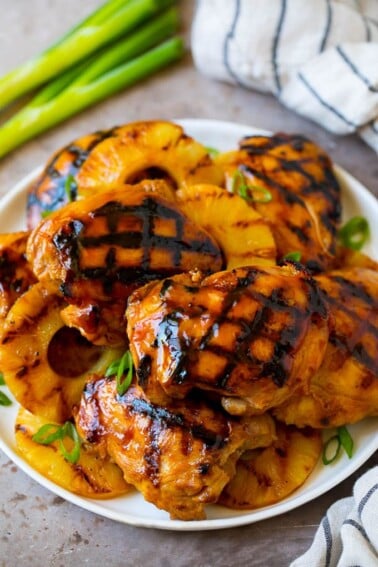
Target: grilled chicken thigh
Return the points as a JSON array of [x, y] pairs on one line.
[[99, 249], [179, 455], [252, 335], [345, 388], [16, 275], [304, 211]]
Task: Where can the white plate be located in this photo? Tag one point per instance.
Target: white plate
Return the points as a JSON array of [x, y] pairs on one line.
[[132, 509]]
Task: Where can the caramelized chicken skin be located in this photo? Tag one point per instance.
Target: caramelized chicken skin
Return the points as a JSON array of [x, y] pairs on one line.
[[16, 275], [102, 247], [253, 335], [179, 455], [345, 388], [305, 209]]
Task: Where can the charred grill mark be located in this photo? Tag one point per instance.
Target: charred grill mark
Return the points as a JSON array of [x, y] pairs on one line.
[[72, 239], [152, 453], [66, 242], [356, 290], [55, 195], [285, 343], [296, 141], [298, 231], [356, 350], [168, 419], [288, 196], [144, 370]]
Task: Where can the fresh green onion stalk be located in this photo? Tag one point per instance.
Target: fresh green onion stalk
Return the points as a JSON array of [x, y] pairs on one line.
[[53, 105], [110, 22]]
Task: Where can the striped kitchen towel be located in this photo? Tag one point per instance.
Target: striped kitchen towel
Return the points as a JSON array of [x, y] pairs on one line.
[[348, 534], [319, 57]]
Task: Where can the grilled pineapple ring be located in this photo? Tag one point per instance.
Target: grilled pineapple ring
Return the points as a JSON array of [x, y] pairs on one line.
[[125, 154], [241, 232], [33, 357], [93, 476], [147, 150], [269, 475]]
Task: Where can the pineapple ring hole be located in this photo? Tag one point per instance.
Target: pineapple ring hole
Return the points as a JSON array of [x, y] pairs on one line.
[[152, 172], [69, 354]]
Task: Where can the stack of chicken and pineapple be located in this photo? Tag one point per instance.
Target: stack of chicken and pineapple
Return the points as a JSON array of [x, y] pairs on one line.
[[240, 356]]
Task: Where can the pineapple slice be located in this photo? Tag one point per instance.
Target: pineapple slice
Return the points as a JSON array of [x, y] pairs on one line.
[[44, 363], [147, 150], [243, 235], [93, 476], [269, 475]]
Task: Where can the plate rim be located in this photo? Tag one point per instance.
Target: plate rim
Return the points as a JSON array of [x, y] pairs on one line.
[[242, 517]]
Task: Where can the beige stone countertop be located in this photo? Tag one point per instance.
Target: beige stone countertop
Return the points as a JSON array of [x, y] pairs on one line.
[[38, 528]]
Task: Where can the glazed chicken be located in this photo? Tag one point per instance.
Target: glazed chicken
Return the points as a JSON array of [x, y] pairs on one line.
[[345, 388], [179, 455], [125, 154], [16, 274], [251, 335], [304, 209], [99, 249]]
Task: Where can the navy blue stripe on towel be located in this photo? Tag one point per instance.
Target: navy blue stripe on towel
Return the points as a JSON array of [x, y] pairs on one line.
[[325, 103], [355, 70], [276, 39]]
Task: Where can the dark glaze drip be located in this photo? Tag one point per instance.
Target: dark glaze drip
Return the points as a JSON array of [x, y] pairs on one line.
[[144, 370]]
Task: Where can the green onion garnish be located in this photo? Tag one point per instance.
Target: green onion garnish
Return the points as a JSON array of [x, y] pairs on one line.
[[114, 19], [70, 187], [246, 190], [213, 152], [341, 439], [69, 430], [293, 256], [346, 440], [355, 233], [119, 368], [51, 432], [2, 381], [4, 400]]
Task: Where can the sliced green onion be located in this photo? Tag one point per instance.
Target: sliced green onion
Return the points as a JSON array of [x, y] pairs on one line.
[[246, 190], [355, 233], [69, 430], [213, 152], [335, 440], [346, 440], [2, 381], [48, 433], [123, 383], [293, 256], [70, 187], [342, 439], [104, 26], [4, 400], [118, 369], [34, 119], [51, 432]]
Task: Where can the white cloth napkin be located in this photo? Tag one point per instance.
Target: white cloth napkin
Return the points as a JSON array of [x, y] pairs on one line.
[[319, 57], [348, 534]]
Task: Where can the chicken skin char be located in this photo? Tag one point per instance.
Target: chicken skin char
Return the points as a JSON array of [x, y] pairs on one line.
[[104, 246], [305, 208], [180, 455], [345, 388], [252, 335]]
